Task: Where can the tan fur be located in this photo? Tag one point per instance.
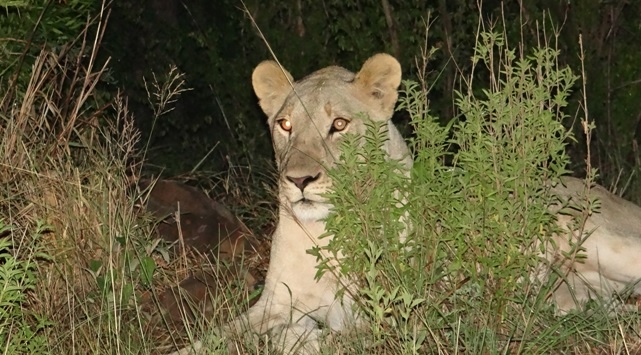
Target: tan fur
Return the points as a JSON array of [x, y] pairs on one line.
[[612, 247], [293, 303]]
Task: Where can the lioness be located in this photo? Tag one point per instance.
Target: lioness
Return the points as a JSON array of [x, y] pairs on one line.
[[307, 119]]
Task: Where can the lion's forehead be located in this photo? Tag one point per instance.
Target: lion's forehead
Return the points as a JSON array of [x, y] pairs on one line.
[[322, 102], [318, 89], [332, 73]]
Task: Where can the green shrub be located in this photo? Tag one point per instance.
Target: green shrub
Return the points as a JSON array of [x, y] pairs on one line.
[[461, 277], [20, 331]]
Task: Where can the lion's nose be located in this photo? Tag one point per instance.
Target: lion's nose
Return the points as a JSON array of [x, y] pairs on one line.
[[302, 182]]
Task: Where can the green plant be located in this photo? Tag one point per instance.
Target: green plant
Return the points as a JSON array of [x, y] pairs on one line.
[[510, 146], [20, 331], [474, 226]]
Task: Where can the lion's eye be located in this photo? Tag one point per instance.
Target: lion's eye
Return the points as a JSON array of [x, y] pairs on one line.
[[285, 124], [339, 124]]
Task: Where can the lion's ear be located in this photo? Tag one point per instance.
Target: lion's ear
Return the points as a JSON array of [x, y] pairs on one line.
[[271, 85], [380, 77]]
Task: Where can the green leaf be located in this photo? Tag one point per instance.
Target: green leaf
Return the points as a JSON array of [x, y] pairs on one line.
[[147, 269]]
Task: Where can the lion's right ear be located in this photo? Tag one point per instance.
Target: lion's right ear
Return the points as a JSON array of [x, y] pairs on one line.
[[379, 79], [271, 84]]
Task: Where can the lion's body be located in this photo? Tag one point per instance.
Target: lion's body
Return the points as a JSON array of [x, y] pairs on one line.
[[306, 119], [612, 247]]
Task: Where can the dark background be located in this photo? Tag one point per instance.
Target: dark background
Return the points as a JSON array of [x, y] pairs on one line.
[[216, 46]]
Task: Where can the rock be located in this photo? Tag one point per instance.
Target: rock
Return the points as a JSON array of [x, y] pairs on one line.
[[205, 225], [190, 219], [193, 297]]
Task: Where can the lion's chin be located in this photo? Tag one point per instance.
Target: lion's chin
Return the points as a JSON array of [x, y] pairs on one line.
[[310, 211]]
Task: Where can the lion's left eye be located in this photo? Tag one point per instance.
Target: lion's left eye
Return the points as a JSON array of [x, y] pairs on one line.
[[339, 124], [285, 124]]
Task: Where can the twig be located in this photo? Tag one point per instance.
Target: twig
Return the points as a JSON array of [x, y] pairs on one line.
[[392, 29]]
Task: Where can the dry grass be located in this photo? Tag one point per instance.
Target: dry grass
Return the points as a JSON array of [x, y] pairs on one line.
[[68, 158], [67, 161]]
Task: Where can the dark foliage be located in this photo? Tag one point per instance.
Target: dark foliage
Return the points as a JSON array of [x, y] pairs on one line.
[[216, 45]]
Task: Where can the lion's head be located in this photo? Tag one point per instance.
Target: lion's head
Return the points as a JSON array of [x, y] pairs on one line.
[[307, 119]]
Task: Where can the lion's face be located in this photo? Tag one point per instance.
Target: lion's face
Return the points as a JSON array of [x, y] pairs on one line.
[[308, 119]]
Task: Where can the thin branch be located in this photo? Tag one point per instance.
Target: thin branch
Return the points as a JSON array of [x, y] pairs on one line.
[[392, 28]]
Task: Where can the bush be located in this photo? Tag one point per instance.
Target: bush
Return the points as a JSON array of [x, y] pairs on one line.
[[477, 210], [20, 331]]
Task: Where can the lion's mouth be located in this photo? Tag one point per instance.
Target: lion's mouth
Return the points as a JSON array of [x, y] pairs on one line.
[[305, 202], [310, 210], [309, 203]]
